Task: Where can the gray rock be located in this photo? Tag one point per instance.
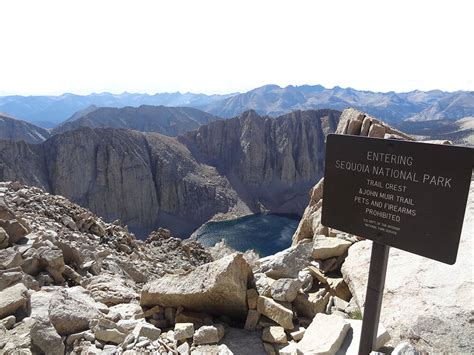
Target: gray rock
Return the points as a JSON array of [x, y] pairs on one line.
[[324, 335], [4, 239], [219, 287], [327, 247], [207, 334], [71, 310], [285, 290], [252, 319], [45, 337], [10, 258], [252, 296], [351, 342], [183, 331], [12, 299], [308, 305], [8, 322], [275, 312], [147, 330], [377, 131], [274, 335], [287, 263], [109, 290]]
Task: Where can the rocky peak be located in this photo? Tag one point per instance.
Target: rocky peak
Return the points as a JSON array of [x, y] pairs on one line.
[[16, 130]]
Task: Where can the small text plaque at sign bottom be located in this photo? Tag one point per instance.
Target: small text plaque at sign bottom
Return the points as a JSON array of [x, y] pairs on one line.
[[408, 195]]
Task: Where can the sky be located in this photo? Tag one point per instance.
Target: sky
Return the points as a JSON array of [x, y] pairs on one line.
[[51, 47]]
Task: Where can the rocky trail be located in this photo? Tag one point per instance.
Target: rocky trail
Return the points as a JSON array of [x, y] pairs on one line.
[[71, 283]]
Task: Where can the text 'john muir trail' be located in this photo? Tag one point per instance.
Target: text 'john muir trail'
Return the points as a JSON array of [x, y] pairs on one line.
[[400, 173], [384, 193]]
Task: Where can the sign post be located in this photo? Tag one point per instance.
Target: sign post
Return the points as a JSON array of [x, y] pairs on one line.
[[407, 195]]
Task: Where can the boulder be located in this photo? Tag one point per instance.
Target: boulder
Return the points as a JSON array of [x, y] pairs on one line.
[[339, 288], [252, 319], [219, 287], [183, 331], [10, 258], [12, 299], [285, 290], [377, 131], [328, 247], [435, 302], [107, 331], [351, 342], [275, 311], [4, 239], [364, 130], [71, 309], [8, 322], [208, 334], [252, 296], [288, 262], [14, 229], [127, 310], [109, 290], [308, 305], [9, 277], [275, 335], [263, 284], [52, 258], [45, 337], [324, 335], [146, 330]]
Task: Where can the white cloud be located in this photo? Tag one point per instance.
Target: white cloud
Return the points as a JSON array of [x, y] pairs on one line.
[[225, 46]]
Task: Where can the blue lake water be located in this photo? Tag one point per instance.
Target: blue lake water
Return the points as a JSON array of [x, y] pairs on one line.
[[265, 233]]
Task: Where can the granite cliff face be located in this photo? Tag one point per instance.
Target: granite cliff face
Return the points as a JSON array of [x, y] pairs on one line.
[[17, 130], [138, 178], [170, 121], [227, 169], [272, 162]]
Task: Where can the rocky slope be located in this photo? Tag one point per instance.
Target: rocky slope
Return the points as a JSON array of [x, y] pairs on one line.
[[170, 121], [150, 180], [426, 303], [64, 271], [17, 130]]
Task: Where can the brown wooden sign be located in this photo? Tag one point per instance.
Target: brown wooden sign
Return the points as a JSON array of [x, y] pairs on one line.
[[408, 195]]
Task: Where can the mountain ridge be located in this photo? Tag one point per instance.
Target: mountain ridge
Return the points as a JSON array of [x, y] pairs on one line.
[[14, 129], [274, 100], [149, 180], [170, 121]]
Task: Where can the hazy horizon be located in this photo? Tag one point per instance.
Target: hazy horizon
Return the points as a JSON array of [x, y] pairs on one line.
[[220, 93]]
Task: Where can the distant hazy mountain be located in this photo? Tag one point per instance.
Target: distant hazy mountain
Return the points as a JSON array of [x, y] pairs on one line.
[[48, 111], [459, 131], [391, 106], [17, 130], [170, 121], [451, 107]]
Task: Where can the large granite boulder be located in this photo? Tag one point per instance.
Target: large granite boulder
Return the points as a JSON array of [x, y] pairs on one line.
[[287, 263], [425, 302], [219, 287], [12, 299]]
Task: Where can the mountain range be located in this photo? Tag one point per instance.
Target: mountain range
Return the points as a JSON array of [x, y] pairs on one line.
[[170, 121], [273, 100], [227, 168]]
